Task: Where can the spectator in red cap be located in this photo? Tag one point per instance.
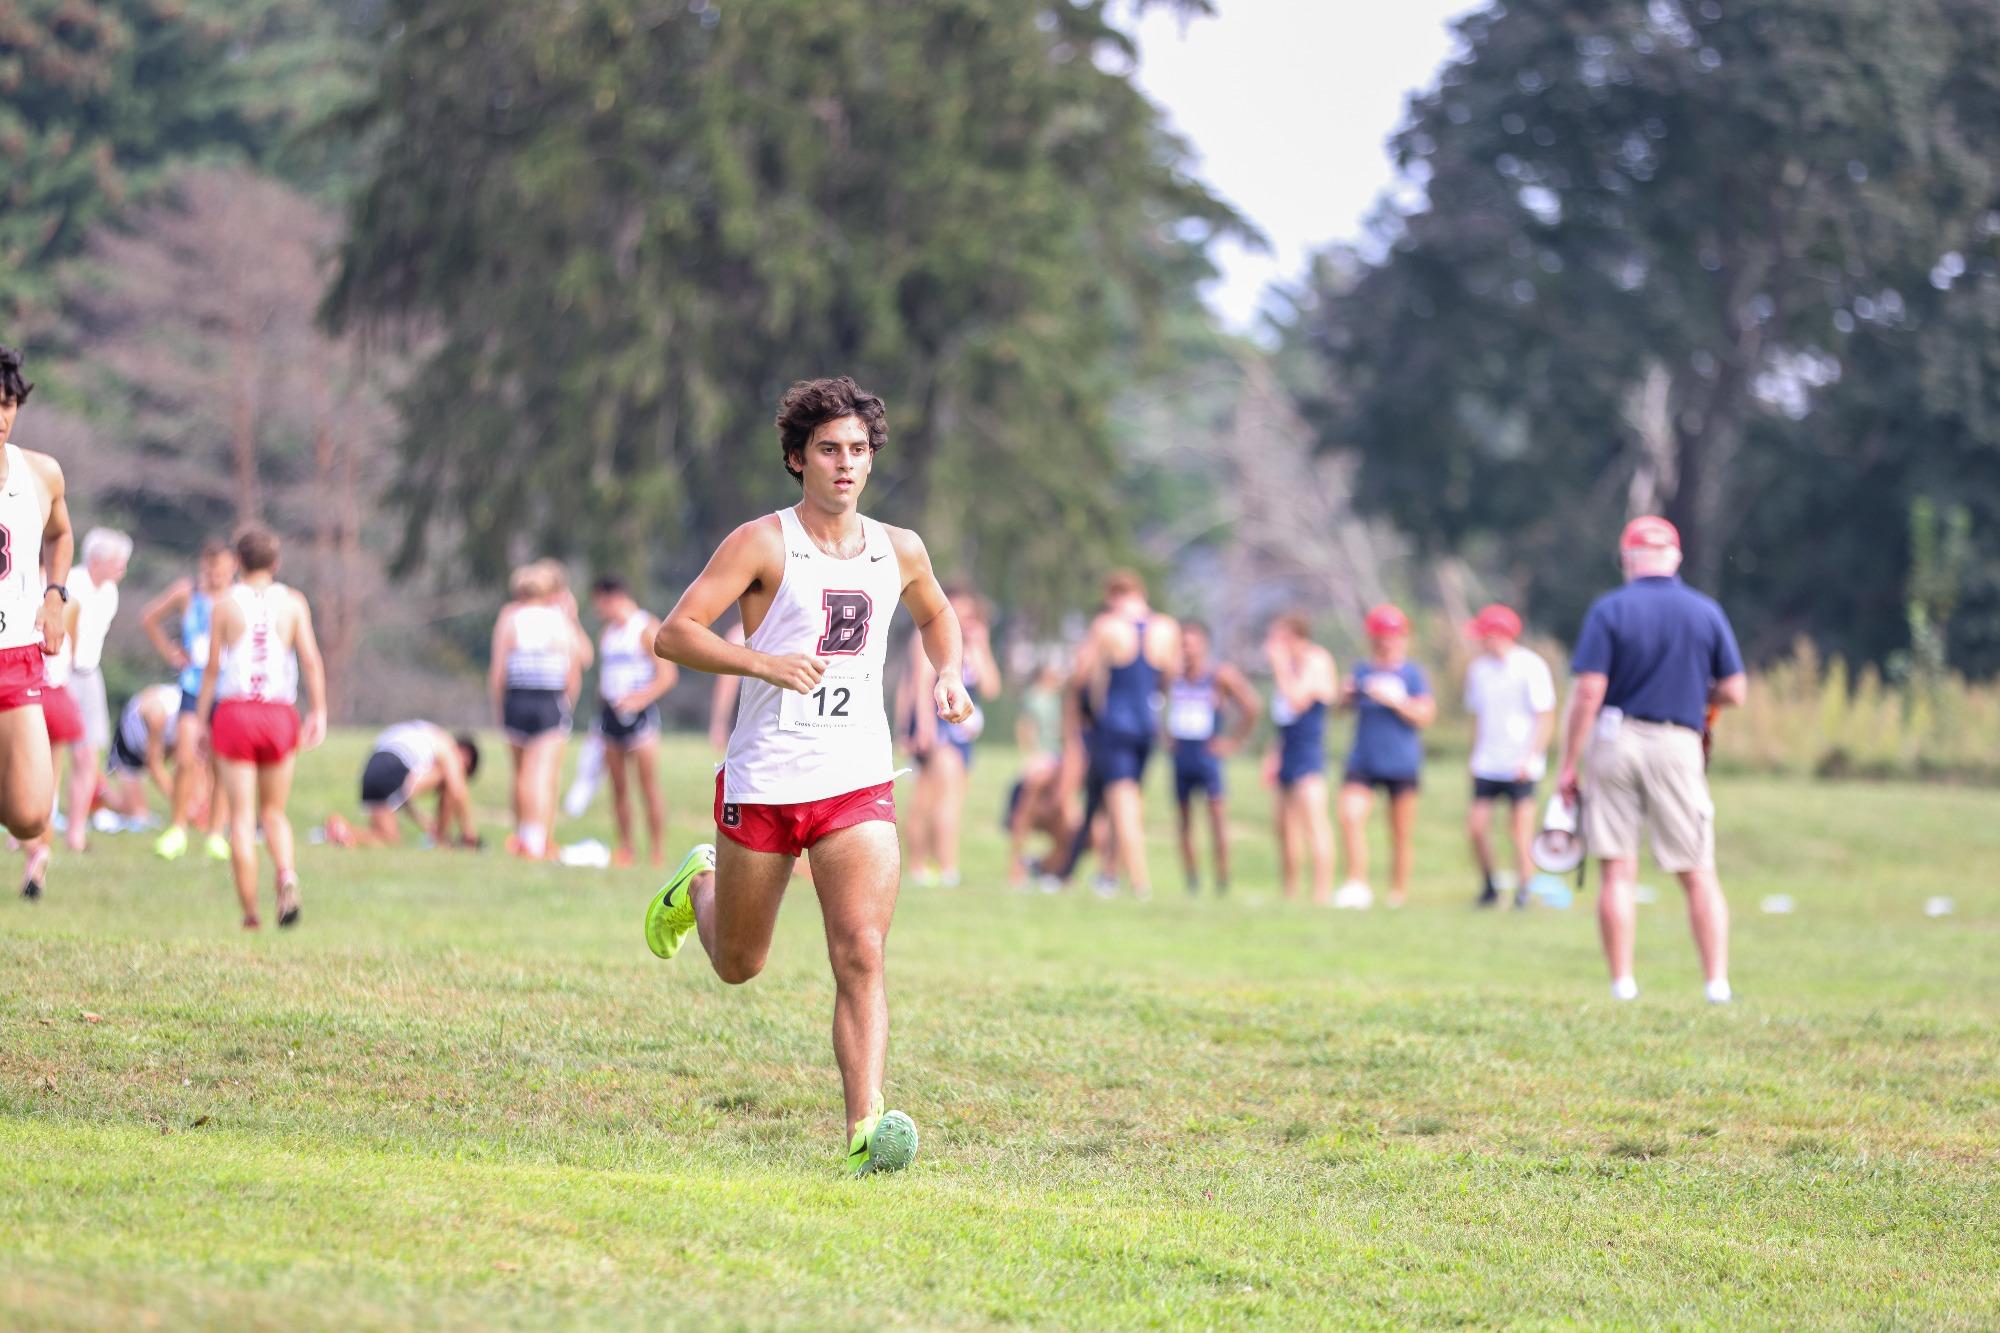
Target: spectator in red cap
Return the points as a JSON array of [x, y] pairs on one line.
[[1392, 703], [1651, 661], [1511, 695]]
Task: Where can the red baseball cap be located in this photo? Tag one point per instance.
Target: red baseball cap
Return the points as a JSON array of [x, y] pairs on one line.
[[1385, 620], [1649, 530], [1495, 619]]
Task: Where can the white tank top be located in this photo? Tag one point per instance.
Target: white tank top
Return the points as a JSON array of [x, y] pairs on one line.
[[132, 722], [539, 659], [411, 743], [624, 659], [789, 747], [21, 523], [260, 666]]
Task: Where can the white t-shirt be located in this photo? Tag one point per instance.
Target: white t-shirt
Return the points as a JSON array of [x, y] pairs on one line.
[[1503, 695], [96, 604]]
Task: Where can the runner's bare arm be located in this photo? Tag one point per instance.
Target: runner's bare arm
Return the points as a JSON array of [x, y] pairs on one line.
[[454, 799], [153, 620], [312, 674], [751, 557], [58, 545], [496, 661], [1242, 696], [156, 756], [224, 623], [937, 625], [1730, 691], [1586, 697]]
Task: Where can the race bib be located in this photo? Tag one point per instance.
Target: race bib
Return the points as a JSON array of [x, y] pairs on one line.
[[837, 703], [1190, 718]]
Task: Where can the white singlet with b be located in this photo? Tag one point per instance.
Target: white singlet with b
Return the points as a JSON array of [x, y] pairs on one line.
[[624, 659], [21, 525], [787, 747], [260, 666]]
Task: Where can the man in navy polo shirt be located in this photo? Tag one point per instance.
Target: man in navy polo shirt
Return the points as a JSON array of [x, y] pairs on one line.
[[1653, 658]]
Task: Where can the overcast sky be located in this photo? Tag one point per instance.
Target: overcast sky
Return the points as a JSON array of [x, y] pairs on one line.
[[1289, 104]]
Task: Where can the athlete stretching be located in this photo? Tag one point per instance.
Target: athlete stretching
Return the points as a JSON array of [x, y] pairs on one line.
[[808, 763]]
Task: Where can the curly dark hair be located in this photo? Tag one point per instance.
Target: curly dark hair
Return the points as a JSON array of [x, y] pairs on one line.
[[13, 388], [810, 404]]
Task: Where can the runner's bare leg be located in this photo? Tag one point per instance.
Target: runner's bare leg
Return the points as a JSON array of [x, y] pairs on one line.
[[856, 871]]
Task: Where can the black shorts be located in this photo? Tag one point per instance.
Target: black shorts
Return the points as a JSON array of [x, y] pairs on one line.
[[527, 715], [384, 779], [1393, 786], [122, 758], [1494, 789], [626, 731]]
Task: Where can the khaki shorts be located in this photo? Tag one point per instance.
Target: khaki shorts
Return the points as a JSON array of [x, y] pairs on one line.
[[87, 688], [1649, 774]]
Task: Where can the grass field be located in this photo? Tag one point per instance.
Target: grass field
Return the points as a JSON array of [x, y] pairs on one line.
[[463, 1093]]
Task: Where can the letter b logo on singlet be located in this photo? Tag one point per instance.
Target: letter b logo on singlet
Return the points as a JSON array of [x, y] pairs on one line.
[[847, 615]]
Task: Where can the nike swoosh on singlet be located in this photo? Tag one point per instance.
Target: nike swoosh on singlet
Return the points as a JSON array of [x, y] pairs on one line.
[[873, 558]]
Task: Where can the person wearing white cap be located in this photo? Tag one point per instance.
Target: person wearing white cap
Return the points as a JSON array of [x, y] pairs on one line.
[[1653, 658], [93, 591]]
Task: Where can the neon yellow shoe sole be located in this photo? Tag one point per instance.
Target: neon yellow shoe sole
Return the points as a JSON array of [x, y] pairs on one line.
[[882, 1142], [171, 845], [670, 916]]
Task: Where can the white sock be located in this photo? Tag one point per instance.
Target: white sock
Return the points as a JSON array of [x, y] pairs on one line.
[[1624, 988], [532, 839], [1717, 991]]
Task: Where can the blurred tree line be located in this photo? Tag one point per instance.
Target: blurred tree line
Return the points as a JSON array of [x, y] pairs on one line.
[[436, 285], [1736, 262]]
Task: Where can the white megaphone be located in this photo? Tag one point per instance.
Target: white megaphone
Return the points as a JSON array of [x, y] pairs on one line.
[[1558, 848]]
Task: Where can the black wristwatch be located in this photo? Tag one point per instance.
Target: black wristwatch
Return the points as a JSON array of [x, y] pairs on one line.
[[58, 590]]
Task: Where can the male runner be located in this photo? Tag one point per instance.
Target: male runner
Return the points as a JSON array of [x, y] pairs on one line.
[[631, 681], [263, 639], [35, 541], [93, 593], [193, 601], [1196, 698], [808, 767], [1130, 651], [1305, 683], [146, 730], [408, 760], [1511, 695]]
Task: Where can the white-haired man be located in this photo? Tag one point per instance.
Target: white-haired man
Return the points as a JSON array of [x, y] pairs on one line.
[[1652, 659], [93, 591]]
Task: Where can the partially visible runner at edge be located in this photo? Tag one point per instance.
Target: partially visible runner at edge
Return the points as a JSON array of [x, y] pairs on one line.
[[35, 545], [808, 768]]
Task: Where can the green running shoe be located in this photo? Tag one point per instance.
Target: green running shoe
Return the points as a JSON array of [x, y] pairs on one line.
[[171, 845], [882, 1142], [218, 847], [670, 916]]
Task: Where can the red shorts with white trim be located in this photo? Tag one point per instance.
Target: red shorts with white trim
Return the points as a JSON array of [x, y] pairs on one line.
[[61, 714], [254, 731], [21, 676], [792, 829]]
